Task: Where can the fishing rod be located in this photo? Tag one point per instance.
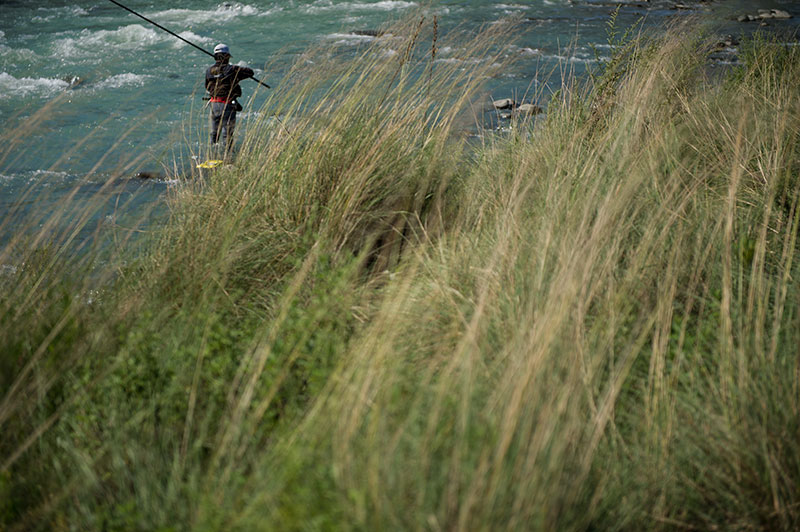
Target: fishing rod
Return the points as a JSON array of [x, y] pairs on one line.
[[159, 26]]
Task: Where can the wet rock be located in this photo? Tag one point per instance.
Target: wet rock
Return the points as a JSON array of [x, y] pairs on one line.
[[728, 42], [368, 33], [528, 109], [74, 82], [638, 5], [543, 20], [148, 175], [773, 13], [505, 103], [765, 14]]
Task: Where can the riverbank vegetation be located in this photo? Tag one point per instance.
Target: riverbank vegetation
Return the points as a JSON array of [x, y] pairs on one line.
[[374, 322]]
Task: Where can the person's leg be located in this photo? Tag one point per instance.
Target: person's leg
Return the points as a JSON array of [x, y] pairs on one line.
[[229, 125], [217, 110]]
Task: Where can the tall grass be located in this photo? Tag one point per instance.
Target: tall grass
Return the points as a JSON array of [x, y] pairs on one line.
[[589, 323]]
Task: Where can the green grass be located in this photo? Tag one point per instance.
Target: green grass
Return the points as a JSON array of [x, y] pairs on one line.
[[587, 323]]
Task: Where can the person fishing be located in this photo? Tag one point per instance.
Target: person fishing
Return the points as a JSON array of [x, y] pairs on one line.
[[222, 84]]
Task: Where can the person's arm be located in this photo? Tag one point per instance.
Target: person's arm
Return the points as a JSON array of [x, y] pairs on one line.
[[210, 84], [243, 72]]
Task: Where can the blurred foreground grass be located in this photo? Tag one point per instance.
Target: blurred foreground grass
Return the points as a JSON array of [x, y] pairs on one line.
[[591, 322]]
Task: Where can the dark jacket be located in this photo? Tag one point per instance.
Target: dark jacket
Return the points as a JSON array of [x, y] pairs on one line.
[[222, 80]]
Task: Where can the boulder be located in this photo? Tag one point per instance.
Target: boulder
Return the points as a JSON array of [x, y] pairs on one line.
[[505, 103], [368, 33], [74, 82], [728, 42], [529, 109], [148, 175], [765, 14]]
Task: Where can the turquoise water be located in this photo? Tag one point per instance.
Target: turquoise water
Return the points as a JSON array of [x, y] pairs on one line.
[[111, 94]]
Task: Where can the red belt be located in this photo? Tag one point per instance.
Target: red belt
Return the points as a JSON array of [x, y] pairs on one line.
[[219, 100]]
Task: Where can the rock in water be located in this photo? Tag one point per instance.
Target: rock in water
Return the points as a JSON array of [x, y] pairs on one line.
[[765, 14], [368, 33], [728, 42], [505, 103], [73, 82], [148, 175], [529, 109]]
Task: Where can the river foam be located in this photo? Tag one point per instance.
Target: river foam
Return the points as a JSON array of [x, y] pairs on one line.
[[132, 37], [128, 79], [350, 39], [97, 43], [10, 55], [223, 13], [384, 5], [48, 14], [11, 87]]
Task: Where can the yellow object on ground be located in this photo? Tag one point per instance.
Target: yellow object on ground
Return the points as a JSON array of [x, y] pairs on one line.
[[211, 163]]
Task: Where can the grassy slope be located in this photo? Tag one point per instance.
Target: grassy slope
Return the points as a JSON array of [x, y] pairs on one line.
[[589, 324]]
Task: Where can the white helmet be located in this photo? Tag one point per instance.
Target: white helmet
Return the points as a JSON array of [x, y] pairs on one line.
[[222, 49]]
